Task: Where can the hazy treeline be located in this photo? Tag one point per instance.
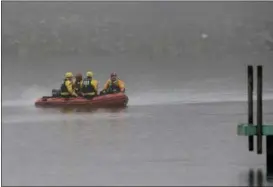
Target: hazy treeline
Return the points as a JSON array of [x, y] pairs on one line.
[[135, 28]]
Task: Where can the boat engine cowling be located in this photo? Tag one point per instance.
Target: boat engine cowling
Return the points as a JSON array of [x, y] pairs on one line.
[[56, 93]]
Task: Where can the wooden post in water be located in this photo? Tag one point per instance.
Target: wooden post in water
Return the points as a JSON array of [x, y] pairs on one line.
[[269, 155], [250, 105], [258, 129], [259, 109]]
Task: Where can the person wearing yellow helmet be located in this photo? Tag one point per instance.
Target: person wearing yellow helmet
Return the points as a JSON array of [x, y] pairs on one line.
[[113, 85], [67, 86], [89, 86]]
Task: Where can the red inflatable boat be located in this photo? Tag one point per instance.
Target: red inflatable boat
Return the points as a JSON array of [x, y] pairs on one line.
[[103, 101]]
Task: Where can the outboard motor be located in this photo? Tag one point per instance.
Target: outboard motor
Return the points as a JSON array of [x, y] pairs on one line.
[[56, 93]]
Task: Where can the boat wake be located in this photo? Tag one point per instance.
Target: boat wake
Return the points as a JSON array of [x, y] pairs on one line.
[[26, 98]]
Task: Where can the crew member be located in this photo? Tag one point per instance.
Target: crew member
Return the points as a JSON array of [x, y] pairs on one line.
[[67, 86], [113, 85], [89, 86], [78, 84]]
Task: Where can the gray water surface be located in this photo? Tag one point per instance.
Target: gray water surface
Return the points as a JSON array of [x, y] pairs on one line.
[[191, 144]]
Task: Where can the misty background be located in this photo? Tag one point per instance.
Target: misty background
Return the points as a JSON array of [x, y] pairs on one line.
[[149, 44]]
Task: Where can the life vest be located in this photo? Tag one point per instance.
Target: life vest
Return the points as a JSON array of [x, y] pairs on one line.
[[64, 90], [113, 87], [87, 87]]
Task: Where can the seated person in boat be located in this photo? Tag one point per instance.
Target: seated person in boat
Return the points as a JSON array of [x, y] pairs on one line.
[[113, 85], [67, 86], [89, 86], [78, 84]]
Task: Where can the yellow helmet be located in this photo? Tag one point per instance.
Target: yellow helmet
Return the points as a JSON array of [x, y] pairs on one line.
[[68, 75], [89, 74]]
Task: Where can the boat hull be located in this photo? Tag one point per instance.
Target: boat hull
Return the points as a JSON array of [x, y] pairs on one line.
[[103, 101]]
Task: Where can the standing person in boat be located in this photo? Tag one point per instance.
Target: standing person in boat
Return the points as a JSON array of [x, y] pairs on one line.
[[67, 86], [113, 85], [89, 86], [78, 84]]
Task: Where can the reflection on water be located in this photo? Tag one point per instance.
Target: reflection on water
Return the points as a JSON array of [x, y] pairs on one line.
[[67, 110], [258, 175], [259, 178]]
